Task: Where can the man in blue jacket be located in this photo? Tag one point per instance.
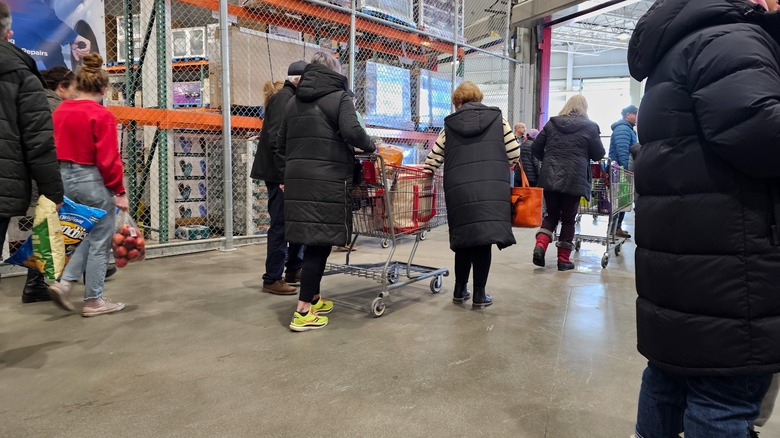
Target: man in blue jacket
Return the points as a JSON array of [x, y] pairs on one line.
[[623, 136]]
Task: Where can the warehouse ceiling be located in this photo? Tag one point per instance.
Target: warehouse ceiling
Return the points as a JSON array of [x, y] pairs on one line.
[[602, 31]]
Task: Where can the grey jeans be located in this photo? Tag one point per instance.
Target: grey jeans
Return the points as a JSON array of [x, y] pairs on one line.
[[84, 185]]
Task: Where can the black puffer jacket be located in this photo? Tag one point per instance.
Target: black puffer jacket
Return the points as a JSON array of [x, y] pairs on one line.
[[320, 162], [565, 146], [26, 135], [476, 187], [269, 162], [708, 176], [531, 165]]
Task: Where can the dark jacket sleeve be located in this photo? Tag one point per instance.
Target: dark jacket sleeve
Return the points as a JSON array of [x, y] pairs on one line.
[[539, 144], [37, 137], [595, 146], [350, 128], [281, 138], [737, 111], [276, 109]]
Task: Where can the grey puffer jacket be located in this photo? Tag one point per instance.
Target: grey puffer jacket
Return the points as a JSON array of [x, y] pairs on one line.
[[565, 147], [26, 135]]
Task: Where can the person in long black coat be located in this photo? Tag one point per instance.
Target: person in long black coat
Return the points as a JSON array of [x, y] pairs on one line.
[[477, 147], [565, 146], [317, 137], [268, 166], [708, 247]]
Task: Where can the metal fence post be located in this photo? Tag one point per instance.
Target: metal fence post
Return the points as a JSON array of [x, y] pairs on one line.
[[456, 6], [352, 46], [227, 147], [162, 102]]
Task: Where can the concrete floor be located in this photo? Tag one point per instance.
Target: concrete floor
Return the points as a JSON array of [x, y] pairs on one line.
[[200, 351]]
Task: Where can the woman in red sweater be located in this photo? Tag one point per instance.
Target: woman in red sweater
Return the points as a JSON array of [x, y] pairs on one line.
[[88, 149]]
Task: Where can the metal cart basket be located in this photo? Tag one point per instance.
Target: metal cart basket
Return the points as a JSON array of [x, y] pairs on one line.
[[389, 202], [612, 193]]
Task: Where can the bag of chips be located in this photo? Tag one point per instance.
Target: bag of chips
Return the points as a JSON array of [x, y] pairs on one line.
[[55, 236]]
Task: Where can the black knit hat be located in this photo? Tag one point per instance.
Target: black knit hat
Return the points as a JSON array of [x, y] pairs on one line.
[[296, 68]]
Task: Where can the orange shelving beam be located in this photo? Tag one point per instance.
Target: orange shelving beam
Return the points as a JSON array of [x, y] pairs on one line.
[[337, 17], [176, 65], [181, 119]]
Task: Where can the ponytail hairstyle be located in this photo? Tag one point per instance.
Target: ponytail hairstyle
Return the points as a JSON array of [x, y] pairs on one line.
[[57, 76], [91, 78]]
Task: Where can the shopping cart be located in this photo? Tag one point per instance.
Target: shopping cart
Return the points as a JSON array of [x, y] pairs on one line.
[[394, 201], [612, 193]]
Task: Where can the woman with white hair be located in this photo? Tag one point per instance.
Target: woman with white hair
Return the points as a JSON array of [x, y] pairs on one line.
[[531, 165]]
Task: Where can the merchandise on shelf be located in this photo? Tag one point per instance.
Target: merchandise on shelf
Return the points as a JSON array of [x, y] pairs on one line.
[[391, 10], [431, 97], [194, 232], [437, 17], [384, 95]]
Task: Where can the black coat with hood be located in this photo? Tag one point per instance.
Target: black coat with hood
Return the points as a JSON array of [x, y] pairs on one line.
[[708, 179], [476, 187], [319, 159], [269, 161], [565, 147], [26, 135]]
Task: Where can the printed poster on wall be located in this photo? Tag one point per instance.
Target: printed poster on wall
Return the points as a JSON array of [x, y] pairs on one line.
[[58, 32]]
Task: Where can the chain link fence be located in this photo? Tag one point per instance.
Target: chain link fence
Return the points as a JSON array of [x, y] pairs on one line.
[[169, 77]]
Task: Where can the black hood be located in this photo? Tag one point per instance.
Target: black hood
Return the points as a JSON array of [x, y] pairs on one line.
[[318, 81], [570, 124], [13, 58], [472, 119], [669, 21]]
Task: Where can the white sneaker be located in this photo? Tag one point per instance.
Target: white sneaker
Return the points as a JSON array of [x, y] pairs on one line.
[[60, 293], [100, 306]]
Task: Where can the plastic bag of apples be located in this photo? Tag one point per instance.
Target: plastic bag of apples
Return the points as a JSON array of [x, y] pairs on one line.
[[128, 243]]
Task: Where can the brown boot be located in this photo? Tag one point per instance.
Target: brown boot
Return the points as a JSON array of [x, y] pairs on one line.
[[279, 287], [623, 234], [293, 278]]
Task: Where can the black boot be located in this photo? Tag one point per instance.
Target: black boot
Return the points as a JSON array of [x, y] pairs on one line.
[[481, 299], [461, 293], [35, 288]]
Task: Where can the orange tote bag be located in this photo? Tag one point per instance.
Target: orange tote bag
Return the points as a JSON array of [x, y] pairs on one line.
[[526, 204]]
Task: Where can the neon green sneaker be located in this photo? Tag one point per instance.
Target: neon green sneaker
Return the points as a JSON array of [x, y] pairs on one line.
[[311, 321], [323, 306]]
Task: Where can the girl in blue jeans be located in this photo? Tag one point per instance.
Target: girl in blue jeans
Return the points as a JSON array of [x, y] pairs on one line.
[[88, 150]]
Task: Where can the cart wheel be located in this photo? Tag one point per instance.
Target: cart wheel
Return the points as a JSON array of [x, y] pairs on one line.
[[577, 245], [618, 249], [378, 307], [605, 260], [436, 284], [424, 235], [392, 275], [385, 243]]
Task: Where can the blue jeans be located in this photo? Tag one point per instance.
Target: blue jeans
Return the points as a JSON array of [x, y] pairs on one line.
[[702, 407], [84, 185], [276, 246]]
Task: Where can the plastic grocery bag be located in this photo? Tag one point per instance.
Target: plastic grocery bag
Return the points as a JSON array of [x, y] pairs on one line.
[[128, 242], [44, 250]]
